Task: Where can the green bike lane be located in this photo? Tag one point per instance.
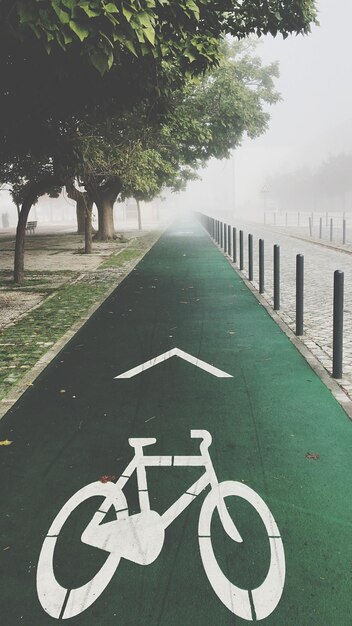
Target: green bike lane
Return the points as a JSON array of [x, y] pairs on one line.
[[72, 429]]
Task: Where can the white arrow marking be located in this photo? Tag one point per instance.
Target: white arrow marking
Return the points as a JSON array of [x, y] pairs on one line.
[[167, 355]]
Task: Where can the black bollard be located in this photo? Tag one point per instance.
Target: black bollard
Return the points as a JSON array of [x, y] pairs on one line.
[[338, 325], [221, 235], [276, 277], [229, 240], [241, 250], [225, 238], [234, 245], [299, 293], [261, 265], [250, 257]]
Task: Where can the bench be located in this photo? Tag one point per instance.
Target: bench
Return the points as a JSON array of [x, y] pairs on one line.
[[30, 227]]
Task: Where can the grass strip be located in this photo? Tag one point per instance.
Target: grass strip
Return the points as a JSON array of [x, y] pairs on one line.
[[117, 260], [24, 343]]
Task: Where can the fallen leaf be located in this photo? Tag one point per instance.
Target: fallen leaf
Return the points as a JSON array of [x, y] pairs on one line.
[[313, 456], [5, 442], [107, 479]]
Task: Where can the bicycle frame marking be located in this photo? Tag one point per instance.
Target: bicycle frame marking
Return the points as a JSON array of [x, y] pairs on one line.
[[140, 537], [139, 464]]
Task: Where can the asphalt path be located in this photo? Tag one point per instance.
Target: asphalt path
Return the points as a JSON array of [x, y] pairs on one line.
[[253, 526]]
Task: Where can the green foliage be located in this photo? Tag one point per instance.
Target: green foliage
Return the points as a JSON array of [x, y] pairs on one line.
[[69, 64], [181, 29], [207, 118], [120, 259]]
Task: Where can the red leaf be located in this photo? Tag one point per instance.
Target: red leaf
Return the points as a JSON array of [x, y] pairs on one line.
[[106, 479]]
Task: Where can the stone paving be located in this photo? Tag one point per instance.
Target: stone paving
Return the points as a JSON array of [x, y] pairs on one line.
[[320, 262]]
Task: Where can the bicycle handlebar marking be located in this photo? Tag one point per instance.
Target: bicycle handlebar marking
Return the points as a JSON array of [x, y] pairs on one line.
[[139, 538]]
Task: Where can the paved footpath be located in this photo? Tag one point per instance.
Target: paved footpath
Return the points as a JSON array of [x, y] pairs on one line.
[[320, 263], [94, 533]]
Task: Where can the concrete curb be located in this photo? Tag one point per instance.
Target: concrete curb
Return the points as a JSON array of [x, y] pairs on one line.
[[323, 244]]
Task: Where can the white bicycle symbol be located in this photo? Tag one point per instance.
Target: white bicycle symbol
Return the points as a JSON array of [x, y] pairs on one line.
[[140, 537]]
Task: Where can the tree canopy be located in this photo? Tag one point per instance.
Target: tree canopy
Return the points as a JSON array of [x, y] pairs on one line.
[[68, 63], [64, 61], [208, 117], [167, 29]]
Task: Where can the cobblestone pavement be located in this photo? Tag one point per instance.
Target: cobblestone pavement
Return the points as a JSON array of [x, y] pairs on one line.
[[320, 262]]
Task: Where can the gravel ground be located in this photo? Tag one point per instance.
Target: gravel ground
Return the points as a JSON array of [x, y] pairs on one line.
[[15, 304], [51, 260]]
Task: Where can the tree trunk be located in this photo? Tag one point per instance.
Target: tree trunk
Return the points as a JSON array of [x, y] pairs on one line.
[[106, 230], [34, 191], [104, 196], [88, 228], [84, 203], [20, 235], [81, 215], [139, 215]]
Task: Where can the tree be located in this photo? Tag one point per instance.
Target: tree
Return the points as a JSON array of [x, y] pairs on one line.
[[84, 207], [139, 47], [105, 56], [208, 118]]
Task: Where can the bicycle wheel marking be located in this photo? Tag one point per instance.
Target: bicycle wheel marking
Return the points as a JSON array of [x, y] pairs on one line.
[[57, 601], [264, 598]]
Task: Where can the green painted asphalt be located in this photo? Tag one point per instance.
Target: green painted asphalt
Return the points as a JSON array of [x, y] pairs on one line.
[[72, 427]]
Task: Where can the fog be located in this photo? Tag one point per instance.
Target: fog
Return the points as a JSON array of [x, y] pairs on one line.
[[312, 124]]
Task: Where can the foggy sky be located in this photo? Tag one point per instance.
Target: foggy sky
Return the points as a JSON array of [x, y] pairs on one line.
[[313, 121]]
